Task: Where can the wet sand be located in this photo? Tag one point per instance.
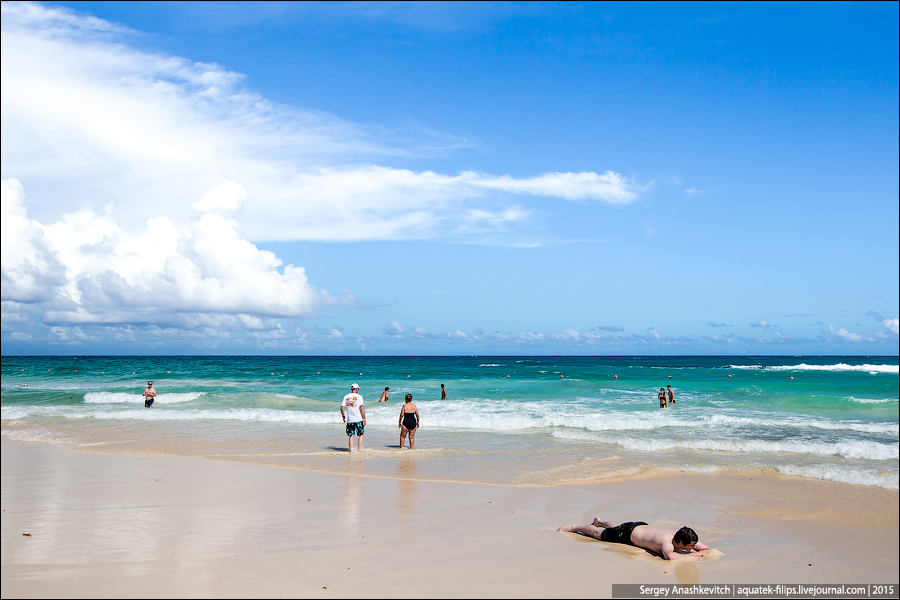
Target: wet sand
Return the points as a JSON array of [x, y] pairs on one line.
[[106, 525]]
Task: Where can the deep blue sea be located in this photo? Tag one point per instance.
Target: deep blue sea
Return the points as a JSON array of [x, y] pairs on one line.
[[512, 420]]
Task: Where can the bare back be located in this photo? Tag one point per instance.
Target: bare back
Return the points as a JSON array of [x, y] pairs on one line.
[[653, 539]]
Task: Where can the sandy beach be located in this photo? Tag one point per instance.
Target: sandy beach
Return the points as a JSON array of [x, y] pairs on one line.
[[110, 525]]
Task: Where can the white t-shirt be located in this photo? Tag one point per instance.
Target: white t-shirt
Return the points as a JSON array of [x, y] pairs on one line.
[[352, 402]]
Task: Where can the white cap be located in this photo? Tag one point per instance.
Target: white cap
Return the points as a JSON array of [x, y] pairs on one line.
[[354, 386]]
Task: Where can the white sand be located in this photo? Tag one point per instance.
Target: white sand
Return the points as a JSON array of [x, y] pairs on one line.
[[143, 526]]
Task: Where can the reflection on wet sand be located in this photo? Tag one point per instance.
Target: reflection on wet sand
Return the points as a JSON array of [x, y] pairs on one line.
[[407, 473], [351, 508], [687, 573]]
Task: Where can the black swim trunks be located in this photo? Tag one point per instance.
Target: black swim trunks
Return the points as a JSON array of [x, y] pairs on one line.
[[621, 534]]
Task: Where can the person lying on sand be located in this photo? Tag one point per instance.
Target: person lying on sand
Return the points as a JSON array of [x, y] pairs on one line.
[[667, 543]]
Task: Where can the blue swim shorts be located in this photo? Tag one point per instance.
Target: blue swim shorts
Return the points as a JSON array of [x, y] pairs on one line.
[[355, 428]]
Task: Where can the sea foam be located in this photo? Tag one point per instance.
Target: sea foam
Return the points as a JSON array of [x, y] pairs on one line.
[[839, 367], [855, 449], [126, 398]]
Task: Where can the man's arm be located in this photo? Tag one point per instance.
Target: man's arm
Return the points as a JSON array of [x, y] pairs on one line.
[[343, 416], [362, 411], [668, 552]]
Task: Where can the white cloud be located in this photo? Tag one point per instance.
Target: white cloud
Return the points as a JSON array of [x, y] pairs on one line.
[[28, 273], [85, 116], [394, 328], [892, 325], [848, 335], [228, 196], [85, 268], [761, 323], [148, 176]]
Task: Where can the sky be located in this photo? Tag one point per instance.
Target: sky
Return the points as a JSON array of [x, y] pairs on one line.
[[450, 178]]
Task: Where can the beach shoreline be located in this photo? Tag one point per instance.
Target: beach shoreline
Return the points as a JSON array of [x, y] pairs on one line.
[[113, 525]]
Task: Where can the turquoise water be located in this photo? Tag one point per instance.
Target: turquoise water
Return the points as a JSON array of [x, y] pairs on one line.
[[526, 420]]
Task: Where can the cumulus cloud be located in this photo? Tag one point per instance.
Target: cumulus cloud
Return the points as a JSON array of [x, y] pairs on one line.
[[712, 324], [761, 323], [891, 326], [393, 328], [85, 268], [609, 328], [85, 112], [848, 335], [151, 176]]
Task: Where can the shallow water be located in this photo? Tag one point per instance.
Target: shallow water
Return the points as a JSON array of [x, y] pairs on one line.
[[517, 420]]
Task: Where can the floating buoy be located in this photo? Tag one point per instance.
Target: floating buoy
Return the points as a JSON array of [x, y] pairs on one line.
[[134, 372], [23, 369], [670, 377], [318, 372], [408, 376], [360, 374], [616, 376], [560, 375], [76, 370], [729, 375], [48, 370], [507, 376], [168, 371], [791, 377], [273, 373]]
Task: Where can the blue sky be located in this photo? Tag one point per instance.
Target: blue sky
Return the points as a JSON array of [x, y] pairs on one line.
[[450, 178]]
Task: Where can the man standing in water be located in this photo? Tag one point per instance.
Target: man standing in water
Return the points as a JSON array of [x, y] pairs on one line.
[[354, 417], [443, 392], [666, 543], [385, 395], [671, 393], [149, 395]]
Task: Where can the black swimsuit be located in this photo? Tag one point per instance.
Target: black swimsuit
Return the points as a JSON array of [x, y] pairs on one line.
[[620, 534], [410, 421]]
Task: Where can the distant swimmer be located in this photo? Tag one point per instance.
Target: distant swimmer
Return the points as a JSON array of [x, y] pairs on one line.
[[665, 543], [663, 402], [443, 392], [385, 395], [671, 393], [354, 417], [409, 422], [149, 395]]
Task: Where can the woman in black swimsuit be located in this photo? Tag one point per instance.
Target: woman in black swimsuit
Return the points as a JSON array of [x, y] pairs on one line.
[[409, 422]]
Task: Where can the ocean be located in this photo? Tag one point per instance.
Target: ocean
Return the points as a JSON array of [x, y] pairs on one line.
[[511, 420]]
